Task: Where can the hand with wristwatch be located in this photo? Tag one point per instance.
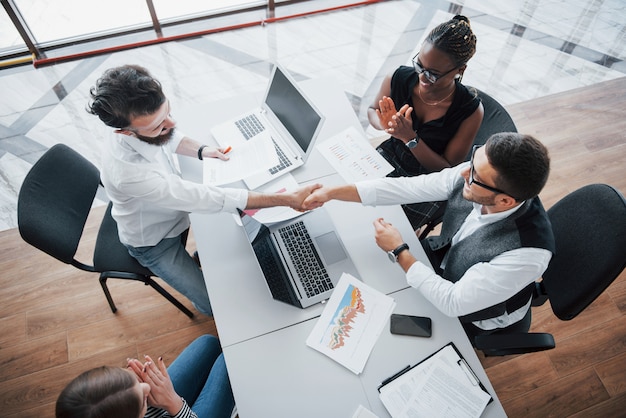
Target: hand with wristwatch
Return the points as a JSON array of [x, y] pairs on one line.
[[413, 142], [393, 254]]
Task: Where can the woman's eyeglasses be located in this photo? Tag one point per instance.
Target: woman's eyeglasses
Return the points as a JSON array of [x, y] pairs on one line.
[[427, 73]]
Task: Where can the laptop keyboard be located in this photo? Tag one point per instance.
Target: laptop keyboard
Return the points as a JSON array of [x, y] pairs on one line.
[[307, 261], [283, 161], [249, 126]]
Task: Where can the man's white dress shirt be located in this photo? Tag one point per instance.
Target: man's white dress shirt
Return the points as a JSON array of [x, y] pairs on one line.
[[484, 284], [150, 199]]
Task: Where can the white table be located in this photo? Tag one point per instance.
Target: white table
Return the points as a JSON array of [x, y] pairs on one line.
[[272, 371]]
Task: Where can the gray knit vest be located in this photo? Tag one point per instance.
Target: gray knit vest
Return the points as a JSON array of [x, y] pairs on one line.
[[529, 226]]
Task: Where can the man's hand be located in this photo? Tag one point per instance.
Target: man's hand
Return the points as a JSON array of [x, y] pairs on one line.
[[316, 199], [387, 236], [216, 153], [300, 196]]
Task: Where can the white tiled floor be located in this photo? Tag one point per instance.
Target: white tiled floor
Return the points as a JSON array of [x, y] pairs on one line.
[[526, 49]]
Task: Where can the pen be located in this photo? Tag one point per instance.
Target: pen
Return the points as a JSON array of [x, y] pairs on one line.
[[395, 376], [227, 150]]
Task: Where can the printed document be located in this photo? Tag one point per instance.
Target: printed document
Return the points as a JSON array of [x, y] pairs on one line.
[[353, 319], [353, 157], [248, 158], [441, 386]]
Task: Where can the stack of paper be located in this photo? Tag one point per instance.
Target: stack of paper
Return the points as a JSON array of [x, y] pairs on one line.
[[351, 323], [441, 386]]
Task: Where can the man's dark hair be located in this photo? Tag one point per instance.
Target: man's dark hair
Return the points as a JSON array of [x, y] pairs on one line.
[[123, 93], [521, 161]]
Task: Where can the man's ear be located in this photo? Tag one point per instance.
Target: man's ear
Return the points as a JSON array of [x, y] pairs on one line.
[[506, 201], [124, 132]]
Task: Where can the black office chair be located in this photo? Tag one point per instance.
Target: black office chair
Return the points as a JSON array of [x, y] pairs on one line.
[[495, 119], [53, 205], [589, 227]]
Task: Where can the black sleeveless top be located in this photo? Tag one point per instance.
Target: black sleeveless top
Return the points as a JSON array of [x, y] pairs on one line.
[[435, 133]]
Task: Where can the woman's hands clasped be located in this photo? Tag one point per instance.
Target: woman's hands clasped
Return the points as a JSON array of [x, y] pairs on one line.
[[398, 123], [162, 394]]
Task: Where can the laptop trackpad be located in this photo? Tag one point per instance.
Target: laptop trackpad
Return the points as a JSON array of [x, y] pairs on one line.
[[331, 248]]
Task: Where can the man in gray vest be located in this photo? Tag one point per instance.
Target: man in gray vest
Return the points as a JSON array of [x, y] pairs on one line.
[[496, 238]]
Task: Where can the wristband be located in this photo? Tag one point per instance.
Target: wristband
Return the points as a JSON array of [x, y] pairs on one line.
[[200, 151]]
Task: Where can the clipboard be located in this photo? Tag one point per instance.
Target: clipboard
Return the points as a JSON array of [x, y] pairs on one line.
[[462, 363]]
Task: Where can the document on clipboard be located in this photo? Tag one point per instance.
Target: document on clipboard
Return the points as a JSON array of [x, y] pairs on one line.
[[442, 385]]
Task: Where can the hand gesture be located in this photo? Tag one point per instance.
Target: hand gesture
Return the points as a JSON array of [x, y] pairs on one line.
[[301, 195], [386, 110], [387, 236], [162, 394], [401, 125], [316, 199]]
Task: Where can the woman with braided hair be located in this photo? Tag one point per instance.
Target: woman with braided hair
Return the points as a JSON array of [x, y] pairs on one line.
[[432, 118]]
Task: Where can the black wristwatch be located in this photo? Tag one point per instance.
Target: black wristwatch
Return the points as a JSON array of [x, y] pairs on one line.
[[393, 254], [200, 151], [413, 142]]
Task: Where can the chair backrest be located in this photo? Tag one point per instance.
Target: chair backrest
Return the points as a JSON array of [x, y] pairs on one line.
[[496, 119], [589, 227], [54, 201]]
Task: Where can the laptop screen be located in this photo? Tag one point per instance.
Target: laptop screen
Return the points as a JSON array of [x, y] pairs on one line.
[[255, 230], [301, 119]]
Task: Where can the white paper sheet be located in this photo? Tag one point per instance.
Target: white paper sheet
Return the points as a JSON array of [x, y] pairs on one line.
[[250, 157], [353, 157], [438, 387], [351, 323]]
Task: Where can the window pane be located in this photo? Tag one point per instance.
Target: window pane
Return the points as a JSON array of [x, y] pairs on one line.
[[54, 20], [9, 37], [166, 9]]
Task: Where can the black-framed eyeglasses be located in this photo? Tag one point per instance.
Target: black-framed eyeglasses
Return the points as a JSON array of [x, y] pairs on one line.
[[472, 180], [427, 73]]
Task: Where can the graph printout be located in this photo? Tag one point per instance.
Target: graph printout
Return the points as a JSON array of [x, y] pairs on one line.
[[353, 156], [351, 323]]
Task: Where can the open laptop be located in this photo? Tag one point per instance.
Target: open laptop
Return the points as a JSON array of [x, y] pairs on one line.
[[285, 117], [302, 259]]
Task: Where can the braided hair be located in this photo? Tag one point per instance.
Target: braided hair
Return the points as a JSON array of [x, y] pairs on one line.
[[455, 38]]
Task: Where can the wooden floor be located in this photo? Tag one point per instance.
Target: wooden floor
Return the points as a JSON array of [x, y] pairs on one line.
[[55, 321]]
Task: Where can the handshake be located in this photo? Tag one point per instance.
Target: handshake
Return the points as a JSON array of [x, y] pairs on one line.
[[314, 196], [310, 197]]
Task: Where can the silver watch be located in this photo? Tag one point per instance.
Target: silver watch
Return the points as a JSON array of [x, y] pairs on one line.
[[413, 142], [393, 254]]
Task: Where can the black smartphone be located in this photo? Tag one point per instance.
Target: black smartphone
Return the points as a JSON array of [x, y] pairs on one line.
[[418, 326]]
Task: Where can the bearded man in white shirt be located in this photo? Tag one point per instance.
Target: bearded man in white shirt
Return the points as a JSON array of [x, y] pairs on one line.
[[151, 202], [496, 238]]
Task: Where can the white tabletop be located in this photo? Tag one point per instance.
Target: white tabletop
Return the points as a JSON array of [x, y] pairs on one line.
[[278, 375], [273, 373]]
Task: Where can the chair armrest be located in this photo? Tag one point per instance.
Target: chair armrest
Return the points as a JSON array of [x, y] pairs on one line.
[[540, 296], [514, 343]]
